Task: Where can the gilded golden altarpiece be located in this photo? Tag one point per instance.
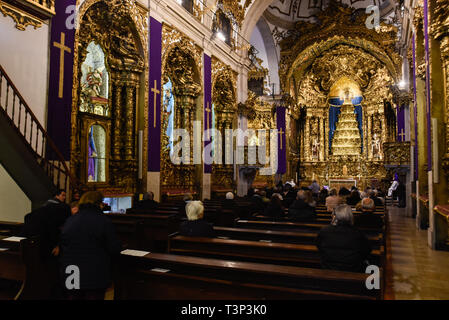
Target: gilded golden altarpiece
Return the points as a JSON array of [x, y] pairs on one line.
[[338, 56], [119, 28], [224, 100], [182, 65]]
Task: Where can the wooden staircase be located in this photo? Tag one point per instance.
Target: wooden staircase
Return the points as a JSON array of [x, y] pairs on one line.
[[27, 152]]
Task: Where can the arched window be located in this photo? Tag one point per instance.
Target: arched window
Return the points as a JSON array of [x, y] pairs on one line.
[[96, 153], [94, 82]]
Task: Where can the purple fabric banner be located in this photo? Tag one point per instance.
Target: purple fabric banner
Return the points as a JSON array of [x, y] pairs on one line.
[[154, 101], [282, 154], [415, 109], [401, 123], [207, 103], [60, 82], [428, 105]]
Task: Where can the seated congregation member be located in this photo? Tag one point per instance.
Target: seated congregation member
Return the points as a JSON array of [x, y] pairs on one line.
[[229, 202], [289, 194], [195, 226], [89, 241], [303, 208], [324, 193], [148, 202], [275, 209], [373, 195], [257, 205], [367, 218], [354, 198], [341, 246], [263, 196], [186, 199], [344, 194], [332, 201], [315, 188]]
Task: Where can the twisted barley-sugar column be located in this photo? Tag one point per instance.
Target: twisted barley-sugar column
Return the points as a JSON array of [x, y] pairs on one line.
[[130, 88], [307, 139], [116, 133], [321, 137], [369, 138]]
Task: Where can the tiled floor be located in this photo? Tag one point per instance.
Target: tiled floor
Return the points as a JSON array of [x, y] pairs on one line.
[[414, 271]]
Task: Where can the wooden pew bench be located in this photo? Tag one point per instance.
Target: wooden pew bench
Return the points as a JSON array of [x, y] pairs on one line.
[[255, 251], [21, 266], [173, 277], [280, 236], [153, 229], [299, 226], [10, 228]]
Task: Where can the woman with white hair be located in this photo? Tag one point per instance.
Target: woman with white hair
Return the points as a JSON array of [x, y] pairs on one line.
[[195, 225], [229, 202], [341, 246]]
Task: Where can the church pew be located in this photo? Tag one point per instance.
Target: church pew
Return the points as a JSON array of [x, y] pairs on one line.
[[156, 228], [254, 251], [174, 277], [20, 263], [131, 233], [10, 228], [308, 238], [288, 225]]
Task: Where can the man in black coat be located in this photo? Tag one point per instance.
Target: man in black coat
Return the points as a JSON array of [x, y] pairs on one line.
[[89, 242], [343, 247], [46, 223], [147, 203]]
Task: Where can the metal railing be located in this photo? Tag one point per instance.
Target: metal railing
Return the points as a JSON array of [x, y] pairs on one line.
[[34, 136]]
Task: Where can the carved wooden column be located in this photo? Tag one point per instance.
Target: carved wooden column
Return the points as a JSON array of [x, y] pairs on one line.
[[368, 137], [321, 137], [117, 121], [307, 139], [130, 98]]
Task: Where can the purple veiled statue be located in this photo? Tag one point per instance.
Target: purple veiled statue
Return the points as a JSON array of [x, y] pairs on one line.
[[92, 163]]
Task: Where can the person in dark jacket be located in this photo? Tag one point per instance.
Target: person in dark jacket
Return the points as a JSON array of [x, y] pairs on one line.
[[354, 198], [46, 223], [275, 209], [341, 246], [324, 193], [367, 218], [195, 226], [302, 209], [89, 242], [147, 203], [229, 202]]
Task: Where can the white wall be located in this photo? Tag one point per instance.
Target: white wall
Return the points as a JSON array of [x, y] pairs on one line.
[[24, 56], [14, 204], [258, 43]]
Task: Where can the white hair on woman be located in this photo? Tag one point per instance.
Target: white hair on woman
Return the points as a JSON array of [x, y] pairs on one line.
[[229, 196], [194, 210], [343, 215]]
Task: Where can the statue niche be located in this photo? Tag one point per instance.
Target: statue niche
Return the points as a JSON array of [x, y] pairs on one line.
[[109, 68]]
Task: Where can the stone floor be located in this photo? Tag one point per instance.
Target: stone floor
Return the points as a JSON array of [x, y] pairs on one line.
[[414, 271]]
